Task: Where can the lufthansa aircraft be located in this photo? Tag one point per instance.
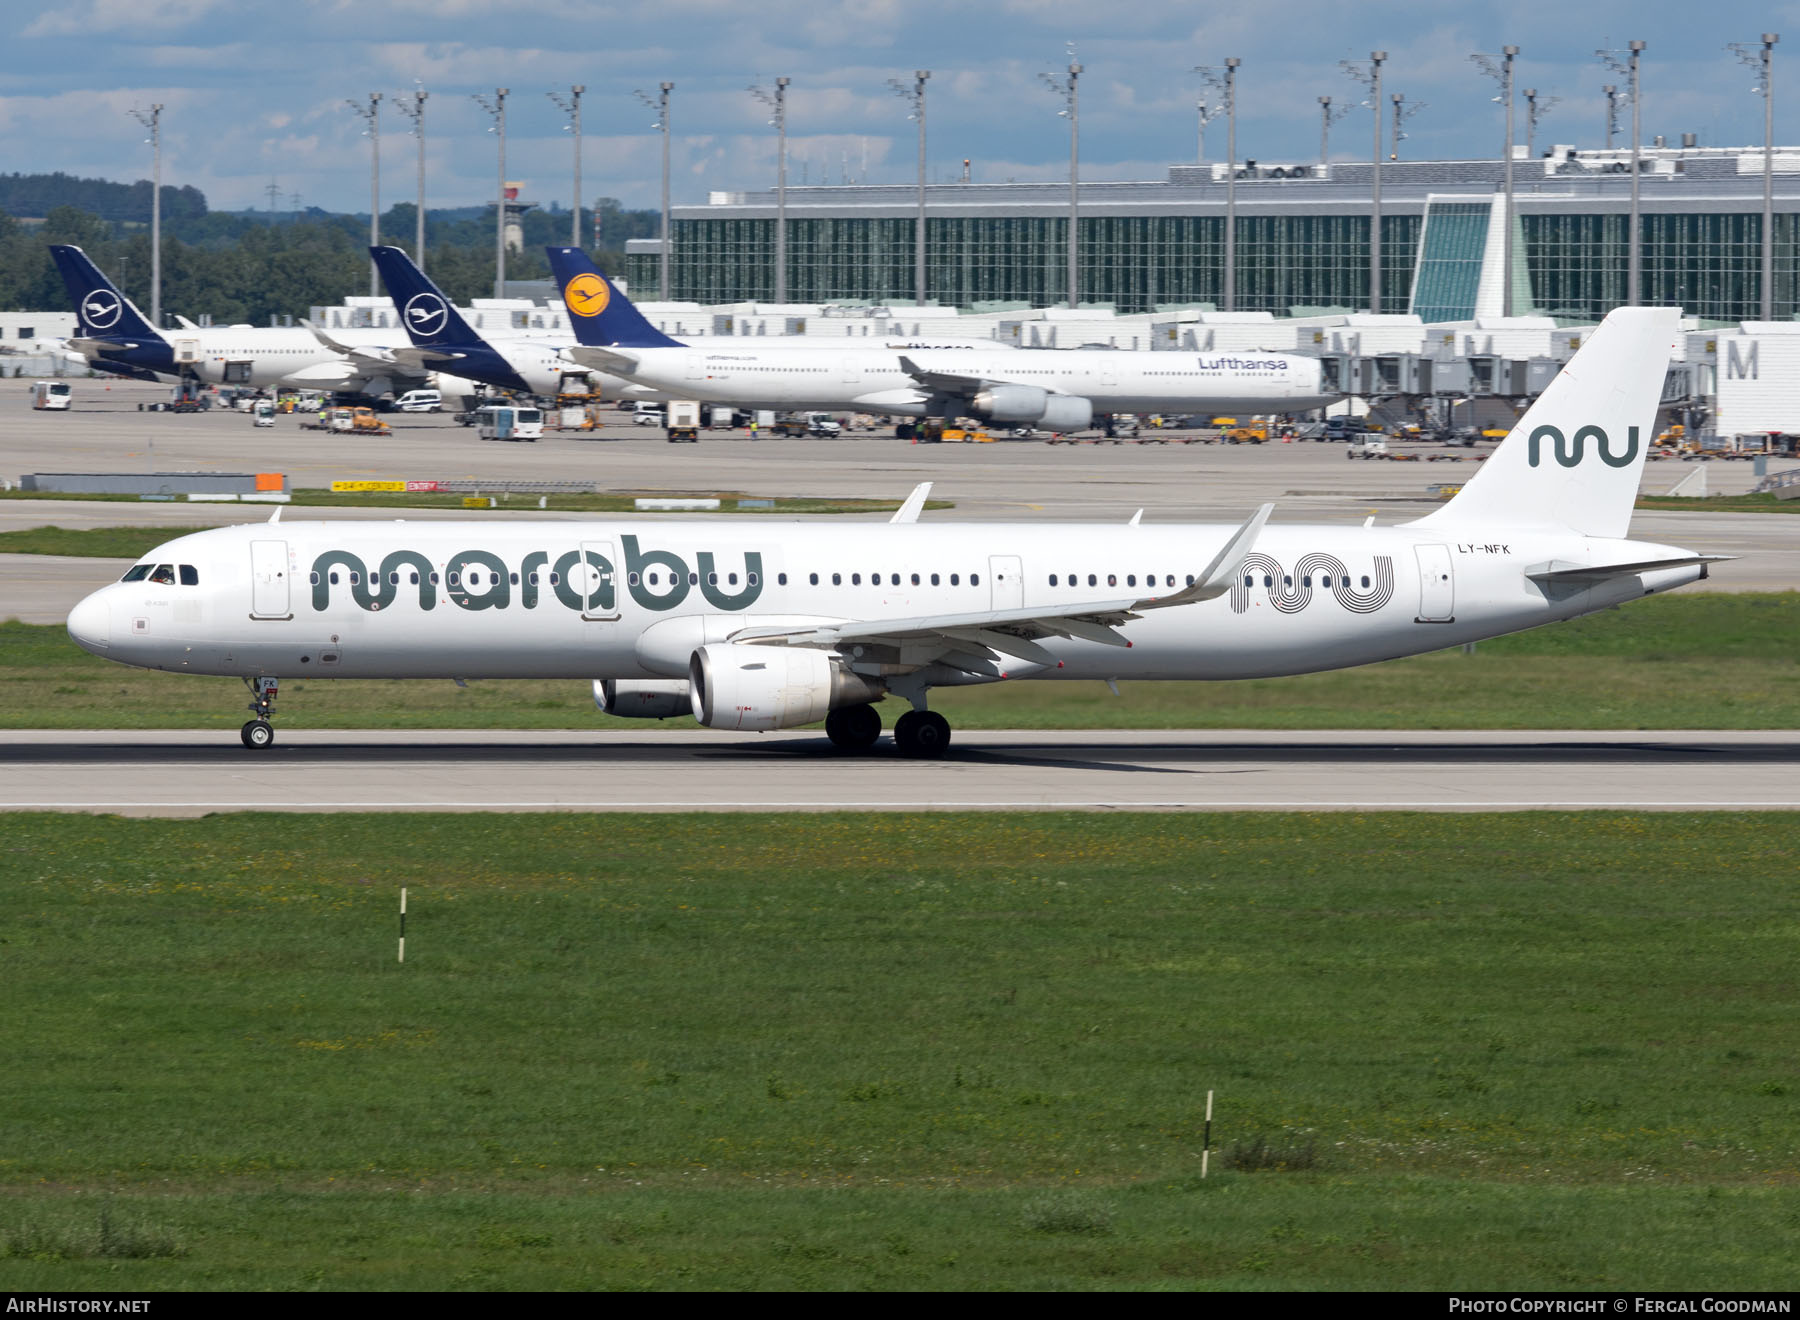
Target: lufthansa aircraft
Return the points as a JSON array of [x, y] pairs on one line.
[[113, 335], [755, 625], [1057, 390]]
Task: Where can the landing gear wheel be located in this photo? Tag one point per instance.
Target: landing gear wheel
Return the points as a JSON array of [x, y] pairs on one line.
[[922, 733], [257, 734], [853, 727]]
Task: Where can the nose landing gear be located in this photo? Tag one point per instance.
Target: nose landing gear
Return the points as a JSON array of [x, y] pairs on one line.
[[259, 733]]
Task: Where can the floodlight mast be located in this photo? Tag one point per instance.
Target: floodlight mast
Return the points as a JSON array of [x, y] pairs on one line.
[[1224, 83], [497, 108], [1328, 117], [572, 108], [1629, 67], [915, 95], [1069, 89], [661, 106], [1502, 72], [416, 113], [371, 115], [1761, 57], [152, 120], [1206, 114], [1370, 78], [777, 103], [1536, 107]]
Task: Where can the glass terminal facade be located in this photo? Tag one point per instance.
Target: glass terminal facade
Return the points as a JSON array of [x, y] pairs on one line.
[[1301, 243]]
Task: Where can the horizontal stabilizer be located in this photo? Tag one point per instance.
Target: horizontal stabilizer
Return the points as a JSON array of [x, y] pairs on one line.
[[603, 359], [1585, 573]]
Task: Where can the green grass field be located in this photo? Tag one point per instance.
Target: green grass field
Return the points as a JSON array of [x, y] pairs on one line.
[[953, 1052], [1723, 661]]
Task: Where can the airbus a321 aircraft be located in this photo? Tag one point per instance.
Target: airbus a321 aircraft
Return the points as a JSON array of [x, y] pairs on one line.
[[113, 335], [1059, 390], [753, 625]]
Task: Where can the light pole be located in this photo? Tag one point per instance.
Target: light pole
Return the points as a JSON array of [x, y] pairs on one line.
[[1629, 67], [371, 114], [1763, 61], [1503, 73], [1069, 89], [152, 120], [572, 108], [661, 106], [1225, 85], [1536, 108], [1328, 117], [416, 113], [916, 96], [777, 102], [497, 108], [1370, 78], [1402, 113]]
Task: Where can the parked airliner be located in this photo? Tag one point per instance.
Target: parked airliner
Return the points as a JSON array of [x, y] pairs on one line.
[[757, 625], [1055, 390]]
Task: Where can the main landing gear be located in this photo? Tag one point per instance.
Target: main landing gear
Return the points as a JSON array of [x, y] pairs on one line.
[[259, 733], [919, 733]]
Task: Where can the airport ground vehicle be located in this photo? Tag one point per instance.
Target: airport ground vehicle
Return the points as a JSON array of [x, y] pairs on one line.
[[1122, 426], [1370, 444], [647, 414], [506, 421], [821, 424], [684, 421], [262, 412], [419, 401], [358, 421], [51, 395]]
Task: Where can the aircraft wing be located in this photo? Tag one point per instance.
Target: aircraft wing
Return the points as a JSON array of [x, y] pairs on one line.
[[942, 382], [973, 641], [611, 360]]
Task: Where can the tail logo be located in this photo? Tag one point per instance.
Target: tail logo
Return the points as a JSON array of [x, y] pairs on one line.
[[101, 309], [426, 314], [1570, 450], [587, 295]]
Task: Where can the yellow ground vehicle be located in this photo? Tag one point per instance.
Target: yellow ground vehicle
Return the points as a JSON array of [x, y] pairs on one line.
[[359, 421], [1246, 433]]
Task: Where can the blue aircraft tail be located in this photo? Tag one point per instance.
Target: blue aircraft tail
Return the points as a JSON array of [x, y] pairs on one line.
[[600, 315], [101, 311], [429, 317]]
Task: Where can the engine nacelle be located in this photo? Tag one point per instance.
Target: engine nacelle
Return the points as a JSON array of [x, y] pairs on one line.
[[1030, 405], [771, 687], [643, 698]]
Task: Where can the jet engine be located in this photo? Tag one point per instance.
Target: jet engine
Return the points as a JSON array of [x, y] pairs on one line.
[[1030, 405], [643, 698], [771, 687]]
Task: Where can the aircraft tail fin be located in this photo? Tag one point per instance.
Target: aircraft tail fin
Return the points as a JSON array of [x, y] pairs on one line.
[[1573, 462], [101, 311], [429, 317], [601, 316]]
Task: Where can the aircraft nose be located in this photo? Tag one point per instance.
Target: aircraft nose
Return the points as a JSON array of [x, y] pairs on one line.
[[90, 623]]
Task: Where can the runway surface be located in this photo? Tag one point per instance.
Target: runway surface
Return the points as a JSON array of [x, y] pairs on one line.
[[161, 773]]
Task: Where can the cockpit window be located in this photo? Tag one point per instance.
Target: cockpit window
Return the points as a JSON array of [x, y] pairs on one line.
[[190, 576], [164, 573], [136, 573]]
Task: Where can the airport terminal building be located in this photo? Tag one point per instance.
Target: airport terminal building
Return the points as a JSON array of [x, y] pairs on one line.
[[1302, 239]]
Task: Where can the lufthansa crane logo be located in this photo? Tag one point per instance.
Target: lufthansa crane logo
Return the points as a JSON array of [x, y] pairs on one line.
[[587, 295], [426, 314], [101, 309]]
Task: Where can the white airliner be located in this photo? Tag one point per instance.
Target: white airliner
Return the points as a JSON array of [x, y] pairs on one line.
[[114, 335], [1056, 390], [760, 625]]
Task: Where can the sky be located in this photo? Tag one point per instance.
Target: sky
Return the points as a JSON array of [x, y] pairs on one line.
[[255, 91]]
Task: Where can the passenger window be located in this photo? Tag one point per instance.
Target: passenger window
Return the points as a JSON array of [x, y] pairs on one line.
[[333, 579], [693, 579], [780, 579], [190, 577], [1093, 581], [1131, 579], [164, 573], [652, 579], [515, 579], [974, 579], [1268, 581], [415, 577], [895, 580], [355, 578], [1112, 579], [1190, 580], [1053, 579], [934, 579], [393, 579], [856, 579], [1247, 581], [1287, 580], [1171, 581], [456, 579], [1365, 580], [555, 578], [730, 578], [751, 578], [631, 578], [813, 578], [837, 579], [1306, 581], [315, 579], [953, 580]]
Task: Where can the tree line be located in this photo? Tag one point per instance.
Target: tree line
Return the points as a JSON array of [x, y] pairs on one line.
[[246, 267]]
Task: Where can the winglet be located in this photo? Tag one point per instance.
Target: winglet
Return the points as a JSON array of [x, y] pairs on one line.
[[276, 516], [1136, 518], [909, 512], [325, 339], [1216, 579]]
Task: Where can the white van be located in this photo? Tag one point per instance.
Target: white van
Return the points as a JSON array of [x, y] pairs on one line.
[[419, 401], [51, 395], [506, 422]]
